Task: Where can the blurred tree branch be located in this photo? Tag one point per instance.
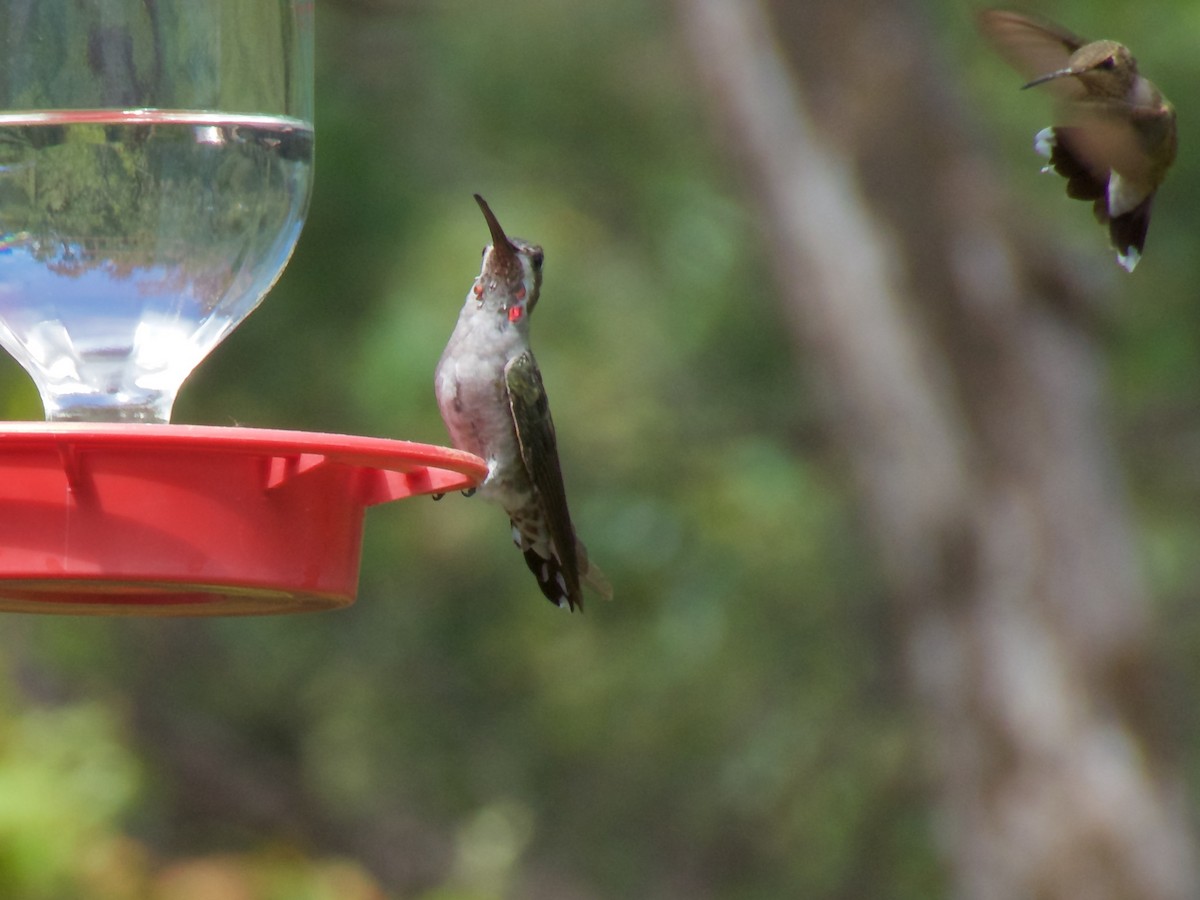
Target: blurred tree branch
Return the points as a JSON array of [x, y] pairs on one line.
[[969, 409]]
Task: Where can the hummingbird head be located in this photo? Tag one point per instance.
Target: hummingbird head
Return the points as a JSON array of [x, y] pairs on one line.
[[511, 276], [1103, 68]]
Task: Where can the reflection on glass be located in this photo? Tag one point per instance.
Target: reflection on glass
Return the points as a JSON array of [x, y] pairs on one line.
[[155, 169], [136, 241]]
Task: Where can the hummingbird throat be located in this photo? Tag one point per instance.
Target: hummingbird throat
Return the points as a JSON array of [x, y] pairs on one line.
[[514, 311]]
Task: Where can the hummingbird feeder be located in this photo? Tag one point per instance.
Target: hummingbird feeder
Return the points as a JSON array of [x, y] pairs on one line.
[[194, 520], [134, 236]]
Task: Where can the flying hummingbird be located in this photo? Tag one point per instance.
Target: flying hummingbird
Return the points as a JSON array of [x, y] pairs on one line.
[[490, 393], [1115, 135]]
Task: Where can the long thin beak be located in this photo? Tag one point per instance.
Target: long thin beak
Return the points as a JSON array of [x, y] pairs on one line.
[[500, 242], [1042, 79]]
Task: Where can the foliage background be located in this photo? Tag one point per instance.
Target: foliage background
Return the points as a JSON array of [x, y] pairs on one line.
[[735, 724]]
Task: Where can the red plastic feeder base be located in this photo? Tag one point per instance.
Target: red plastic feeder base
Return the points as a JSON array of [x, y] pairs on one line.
[[185, 520]]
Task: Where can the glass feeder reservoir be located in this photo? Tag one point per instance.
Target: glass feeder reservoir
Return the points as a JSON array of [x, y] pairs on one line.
[[156, 165]]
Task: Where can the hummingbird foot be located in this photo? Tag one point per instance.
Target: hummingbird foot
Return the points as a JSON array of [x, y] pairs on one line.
[[469, 492]]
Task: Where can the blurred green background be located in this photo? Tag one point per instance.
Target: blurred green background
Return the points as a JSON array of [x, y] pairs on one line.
[[735, 723]]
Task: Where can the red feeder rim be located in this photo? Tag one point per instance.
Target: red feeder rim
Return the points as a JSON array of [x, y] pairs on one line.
[[192, 520]]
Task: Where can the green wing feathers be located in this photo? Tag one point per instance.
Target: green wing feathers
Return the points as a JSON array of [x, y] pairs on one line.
[[539, 452]]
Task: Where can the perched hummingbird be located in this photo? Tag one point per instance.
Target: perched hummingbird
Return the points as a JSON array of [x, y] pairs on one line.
[[490, 393], [1116, 134]]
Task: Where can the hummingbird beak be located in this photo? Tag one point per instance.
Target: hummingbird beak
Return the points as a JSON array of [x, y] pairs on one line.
[[500, 244], [1042, 79]]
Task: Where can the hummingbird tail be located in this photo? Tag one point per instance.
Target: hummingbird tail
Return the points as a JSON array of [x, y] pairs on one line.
[[557, 577], [559, 584], [1128, 233]]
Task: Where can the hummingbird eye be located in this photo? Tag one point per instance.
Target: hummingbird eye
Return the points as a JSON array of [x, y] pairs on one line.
[[536, 259], [1107, 63]]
